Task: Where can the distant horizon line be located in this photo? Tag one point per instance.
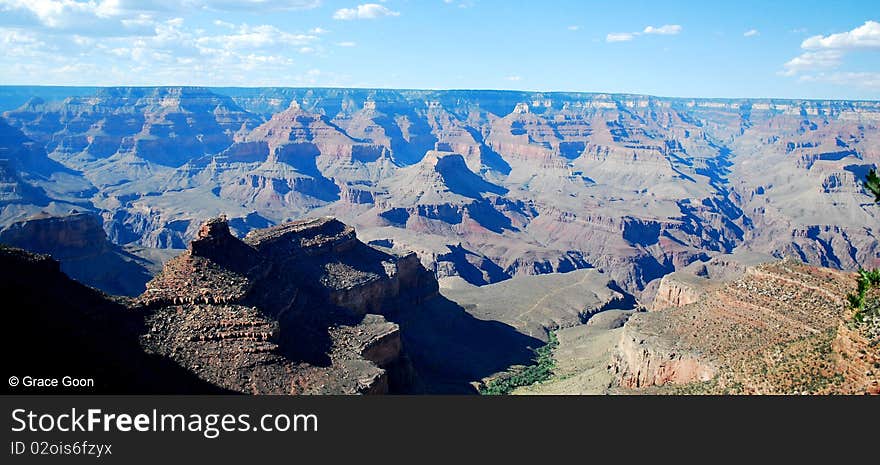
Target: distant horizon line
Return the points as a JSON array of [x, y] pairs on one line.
[[413, 89]]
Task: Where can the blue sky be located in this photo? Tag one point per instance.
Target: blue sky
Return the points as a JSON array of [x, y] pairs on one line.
[[784, 49]]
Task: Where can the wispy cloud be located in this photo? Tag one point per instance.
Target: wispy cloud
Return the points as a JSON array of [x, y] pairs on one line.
[[458, 3], [573, 28], [664, 30], [365, 11], [513, 78], [347, 44], [810, 61], [234, 5], [173, 52], [117, 18], [255, 37], [620, 36], [869, 80], [751, 33]]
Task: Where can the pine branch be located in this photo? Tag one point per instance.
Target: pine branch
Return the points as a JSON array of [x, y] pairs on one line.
[[872, 184]]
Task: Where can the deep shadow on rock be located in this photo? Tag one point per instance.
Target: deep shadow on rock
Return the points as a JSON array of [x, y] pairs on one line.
[[57, 327], [300, 308], [451, 348]]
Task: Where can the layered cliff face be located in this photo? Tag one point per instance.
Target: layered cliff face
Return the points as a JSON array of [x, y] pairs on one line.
[[293, 309], [643, 361], [299, 308], [78, 241], [481, 184], [60, 327], [31, 182], [679, 289], [166, 126], [781, 328]]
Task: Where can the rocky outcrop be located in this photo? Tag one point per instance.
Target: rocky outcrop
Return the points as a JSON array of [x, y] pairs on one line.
[[781, 328], [299, 308], [642, 360], [76, 234], [61, 327], [293, 309], [676, 290], [78, 241]]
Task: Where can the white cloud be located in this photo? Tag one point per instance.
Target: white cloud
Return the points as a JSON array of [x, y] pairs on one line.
[[365, 11], [310, 77], [751, 33], [868, 80], [620, 36], [347, 44], [105, 17], [666, 29], [513, 78], [172, 53], [263, 5], [460, 4], [16, 43], [864, 36], [257, 37], [116, 18], [822, 53], [573, 28], [809, 61]]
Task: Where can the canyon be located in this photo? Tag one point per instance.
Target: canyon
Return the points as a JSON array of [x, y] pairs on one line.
[[780, 328], [317, 241], [299, 308], [484, 185]]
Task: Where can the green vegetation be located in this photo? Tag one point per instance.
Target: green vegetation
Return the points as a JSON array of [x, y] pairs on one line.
[[541, 370], [867, 278], [872, 184]]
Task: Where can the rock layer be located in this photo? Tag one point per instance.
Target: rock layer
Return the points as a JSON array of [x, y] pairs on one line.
[[78, 241], [481, 184], [294, 308], [782, 328]]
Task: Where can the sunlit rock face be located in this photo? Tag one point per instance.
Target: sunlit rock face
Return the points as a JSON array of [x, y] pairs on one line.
[[485, 185]]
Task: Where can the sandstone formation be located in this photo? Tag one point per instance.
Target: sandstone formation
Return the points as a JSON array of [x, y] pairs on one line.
[[299, 308], [485, 185], [781, 328], [293, 309], [679, 289], [542, 209]]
